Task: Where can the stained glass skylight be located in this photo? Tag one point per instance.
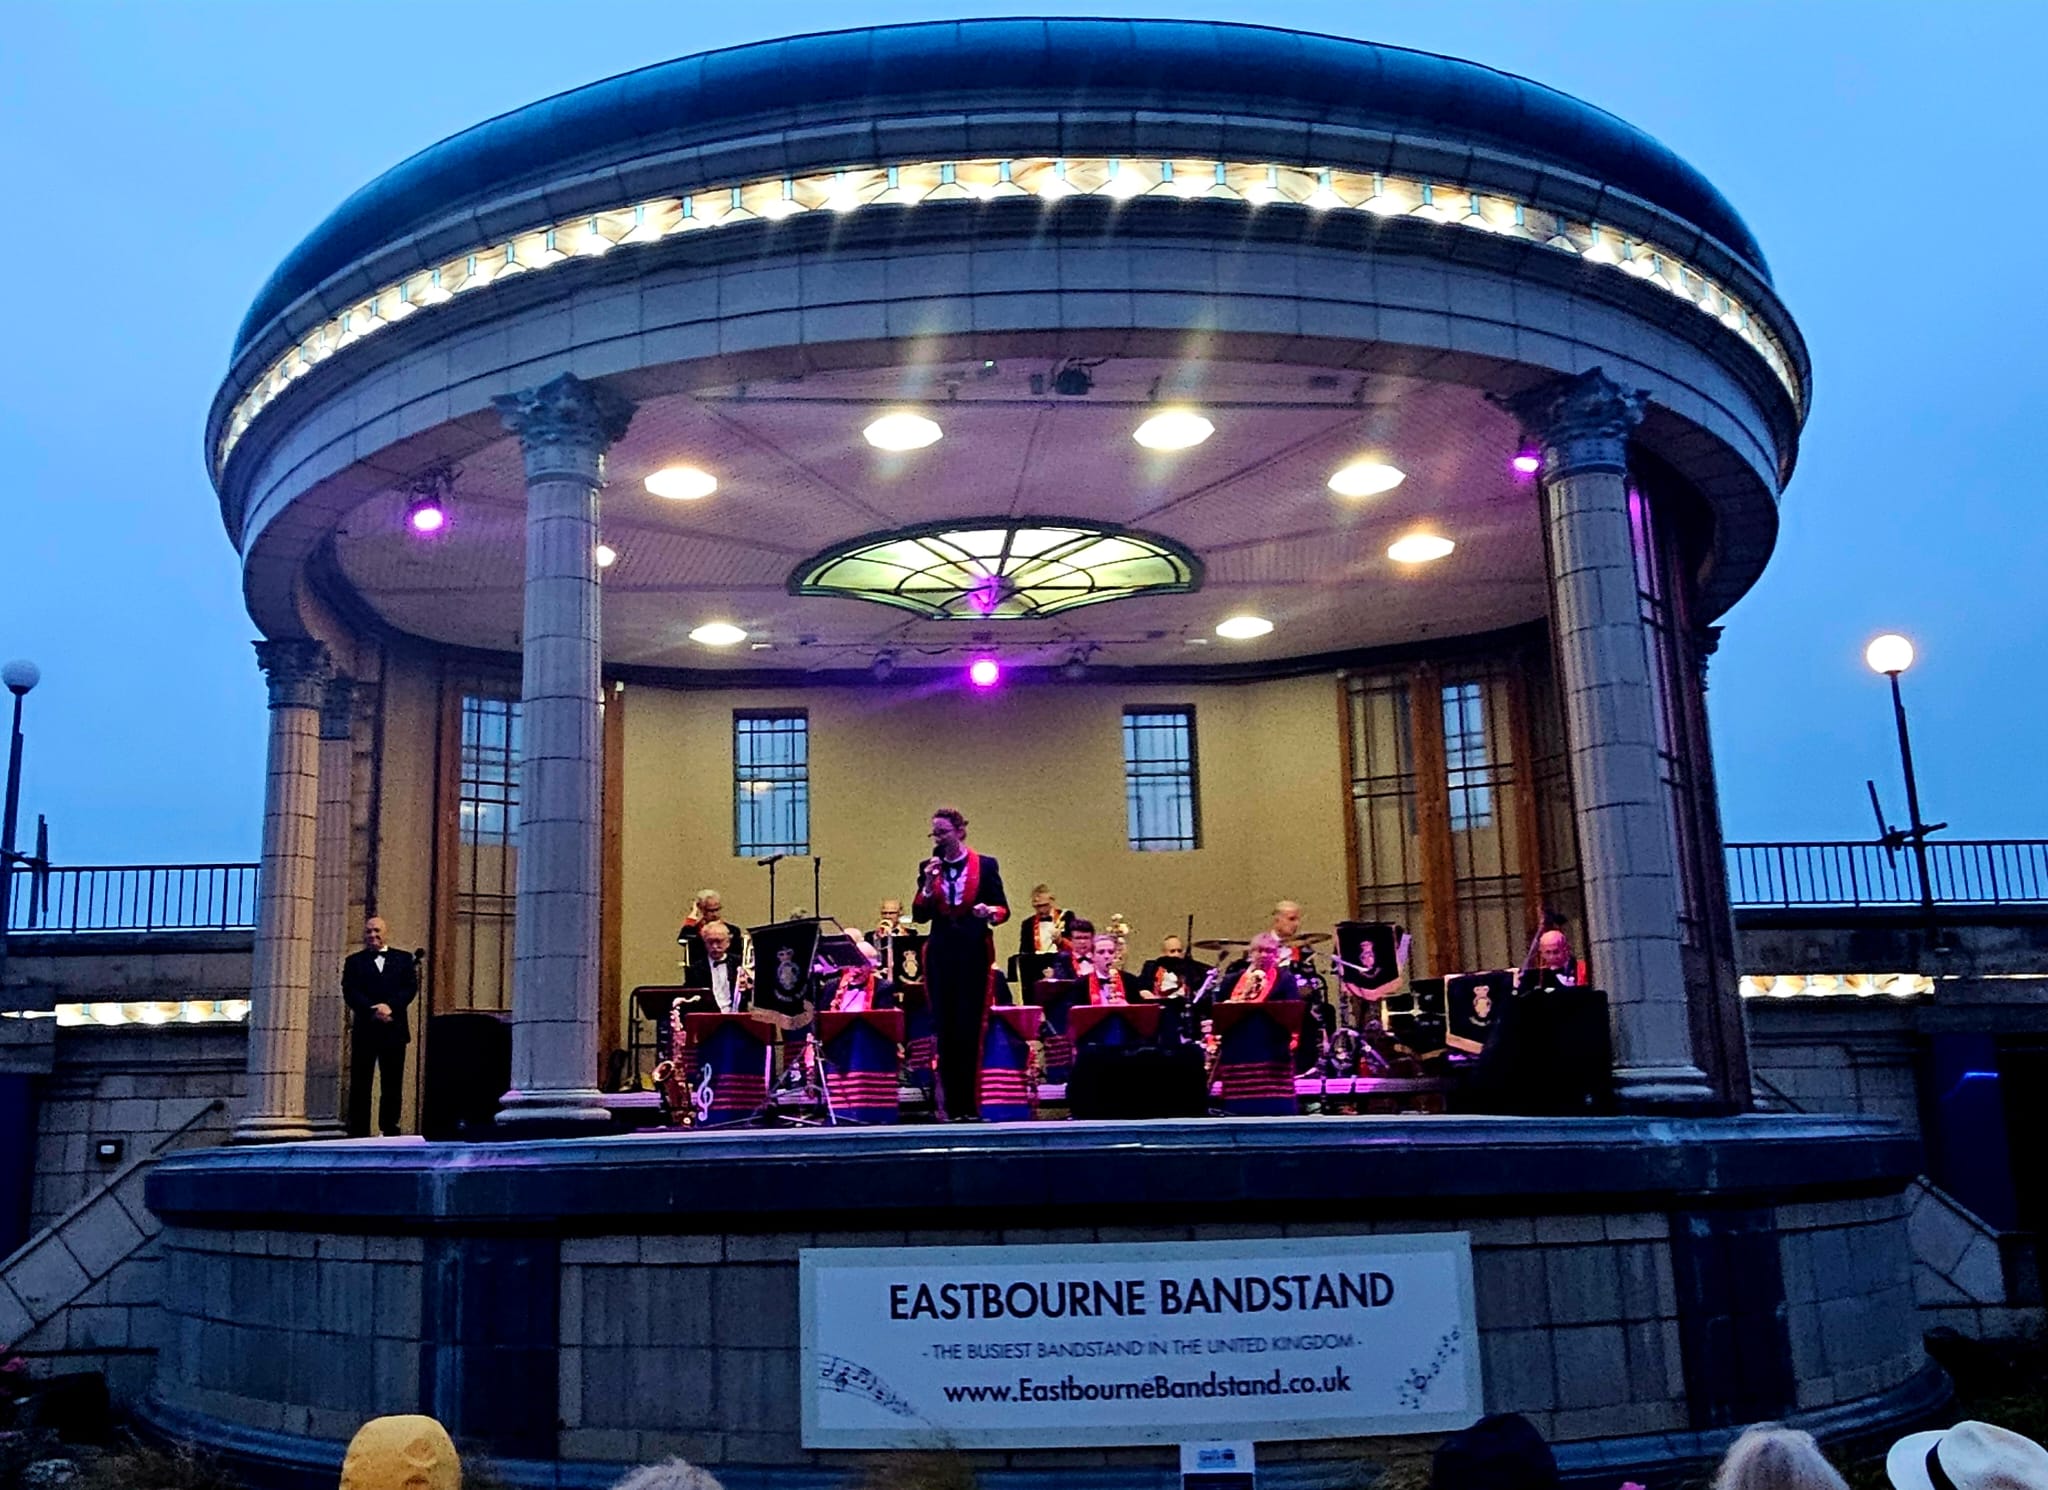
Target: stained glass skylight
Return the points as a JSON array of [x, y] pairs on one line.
[[1000, 570]]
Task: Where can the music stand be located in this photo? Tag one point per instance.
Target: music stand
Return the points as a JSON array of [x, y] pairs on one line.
[[1473, 1002]]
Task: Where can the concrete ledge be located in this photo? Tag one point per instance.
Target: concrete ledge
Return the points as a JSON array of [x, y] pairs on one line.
[[1212, 1168]]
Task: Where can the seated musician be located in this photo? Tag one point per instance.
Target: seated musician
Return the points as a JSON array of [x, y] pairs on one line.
[[720, 971], [1048, 929], [1286, 926], [1171, 972], [1552, 962], [864, 987], [1263, 976], [1077, 958], [889, 921], [1106, 981], [708, 906]]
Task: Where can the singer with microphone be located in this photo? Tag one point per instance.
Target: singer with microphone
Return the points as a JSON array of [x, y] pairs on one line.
[[960, 893]]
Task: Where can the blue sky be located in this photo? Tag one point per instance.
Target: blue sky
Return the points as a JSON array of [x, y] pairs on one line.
[[161, 158]]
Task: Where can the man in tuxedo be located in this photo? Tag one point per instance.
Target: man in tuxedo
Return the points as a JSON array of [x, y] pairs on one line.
[[709, 906], [719, 969], [1171, 972], [378, 984], [960, 892]]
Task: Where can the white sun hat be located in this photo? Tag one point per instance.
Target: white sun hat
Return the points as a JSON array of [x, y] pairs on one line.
[[1969, 1456]]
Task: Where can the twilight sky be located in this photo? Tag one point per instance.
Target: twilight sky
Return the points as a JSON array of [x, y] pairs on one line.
[[161, 158]]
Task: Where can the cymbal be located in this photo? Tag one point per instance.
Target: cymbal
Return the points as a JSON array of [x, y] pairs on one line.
[[1221, 944], [1309, 938]]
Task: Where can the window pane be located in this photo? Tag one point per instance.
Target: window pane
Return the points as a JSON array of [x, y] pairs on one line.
[[1159, 779], [771, 756], [487, 858]]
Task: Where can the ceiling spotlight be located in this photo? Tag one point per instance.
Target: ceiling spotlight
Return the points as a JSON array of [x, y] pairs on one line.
[[902, 431], [1419, 548], [718, 634], [1173, 429], [426, 515], [606, 556], [682, 483], [1072, 382], [1528, 462], [1366, 478], [883, 665], [984, 672], [1243, 628]]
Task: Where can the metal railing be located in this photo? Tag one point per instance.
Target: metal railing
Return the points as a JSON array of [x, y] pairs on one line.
[[1962, 871], [133, 897]]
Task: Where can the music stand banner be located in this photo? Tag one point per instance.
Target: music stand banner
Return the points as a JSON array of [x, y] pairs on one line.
[[1008, 1094], [861, 1064], [1058, 997], [734, 1048], [1321, 1338], [1254, 1057]]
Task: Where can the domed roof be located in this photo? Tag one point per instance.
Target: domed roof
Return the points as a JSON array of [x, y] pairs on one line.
[[1122, 64]]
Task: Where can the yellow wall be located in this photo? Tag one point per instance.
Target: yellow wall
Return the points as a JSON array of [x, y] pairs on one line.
[[1038, 770]]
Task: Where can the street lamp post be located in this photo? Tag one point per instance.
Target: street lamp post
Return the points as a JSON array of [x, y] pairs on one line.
[[20, 677], [1891, 655]]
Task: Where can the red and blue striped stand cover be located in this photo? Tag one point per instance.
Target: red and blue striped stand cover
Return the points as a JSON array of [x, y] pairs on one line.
[[1254, 1057], [734, 1046], [920, 1038], [861, 1063], [1008, 1095], [1059, 997]]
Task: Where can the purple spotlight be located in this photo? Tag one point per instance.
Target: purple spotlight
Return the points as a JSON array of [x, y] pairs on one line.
[[1528, 463], [984, 672], [426, 515]]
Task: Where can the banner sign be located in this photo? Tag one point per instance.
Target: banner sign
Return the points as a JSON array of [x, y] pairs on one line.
[[1138, 1343]]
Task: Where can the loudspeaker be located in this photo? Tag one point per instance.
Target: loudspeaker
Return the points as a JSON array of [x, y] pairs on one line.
[[1138, 1082], [1548, 1056], [469, 1067]]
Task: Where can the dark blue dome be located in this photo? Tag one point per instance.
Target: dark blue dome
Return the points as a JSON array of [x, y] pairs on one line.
[[1255, 70]]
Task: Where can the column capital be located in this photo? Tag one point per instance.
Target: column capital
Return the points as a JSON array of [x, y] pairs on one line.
[[1705, 643], [565, 424], [337, 703], [1581, 421], [297, 671]]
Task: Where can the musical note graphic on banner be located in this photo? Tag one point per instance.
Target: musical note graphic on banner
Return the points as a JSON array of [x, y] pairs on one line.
[[842, 1375]]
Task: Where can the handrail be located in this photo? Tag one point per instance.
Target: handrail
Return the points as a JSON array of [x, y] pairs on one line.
[[132, 897], [1850, 874]]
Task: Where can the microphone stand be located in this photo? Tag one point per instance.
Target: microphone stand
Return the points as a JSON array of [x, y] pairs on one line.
[[817, 904], [769, 864]]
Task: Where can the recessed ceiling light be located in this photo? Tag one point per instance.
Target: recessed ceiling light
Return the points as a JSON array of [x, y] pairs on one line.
[[1243, 628], [682, 483], [1366, 478], [1173, 429], [606, 556], [1419, 548], [1528, 462], [902, 431], [718, 634]]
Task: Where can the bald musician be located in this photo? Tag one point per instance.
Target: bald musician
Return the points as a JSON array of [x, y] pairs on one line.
[[1171, 972]]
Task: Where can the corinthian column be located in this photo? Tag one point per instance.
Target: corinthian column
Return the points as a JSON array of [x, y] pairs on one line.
[[330, 910], [280, 975], [564, 428], [1627, 857]]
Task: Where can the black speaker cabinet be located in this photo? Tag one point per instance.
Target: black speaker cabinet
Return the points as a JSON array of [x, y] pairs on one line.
[[469, 1067]]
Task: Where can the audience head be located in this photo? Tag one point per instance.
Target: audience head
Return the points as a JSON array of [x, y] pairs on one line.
[[1969, 1456], [1502, 1451], [1768, 1457], [670, 1474], [407, 1452]]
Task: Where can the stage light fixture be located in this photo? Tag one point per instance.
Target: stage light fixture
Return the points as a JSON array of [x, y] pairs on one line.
[[718, 634], [606, 556], [1072, 382], [1173, 429], [902, 431], [883, 666], [682, 483], [426, 515], [984, 672], [1366, 478], [1528, 462], [1243, 628], [1890, 653], [1419, 548]]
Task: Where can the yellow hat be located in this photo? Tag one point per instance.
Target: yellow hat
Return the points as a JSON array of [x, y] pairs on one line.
[[406, 1452]]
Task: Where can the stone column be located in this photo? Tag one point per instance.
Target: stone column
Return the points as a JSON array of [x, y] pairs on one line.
[[1628, 861], [331, 932], [564, 427], [281, 970]]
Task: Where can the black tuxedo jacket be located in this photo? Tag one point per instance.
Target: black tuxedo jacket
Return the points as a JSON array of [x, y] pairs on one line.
[[363, 986], [1027, 927]]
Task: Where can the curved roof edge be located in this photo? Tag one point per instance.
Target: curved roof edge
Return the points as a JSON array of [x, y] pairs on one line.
[[1126, 63]]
